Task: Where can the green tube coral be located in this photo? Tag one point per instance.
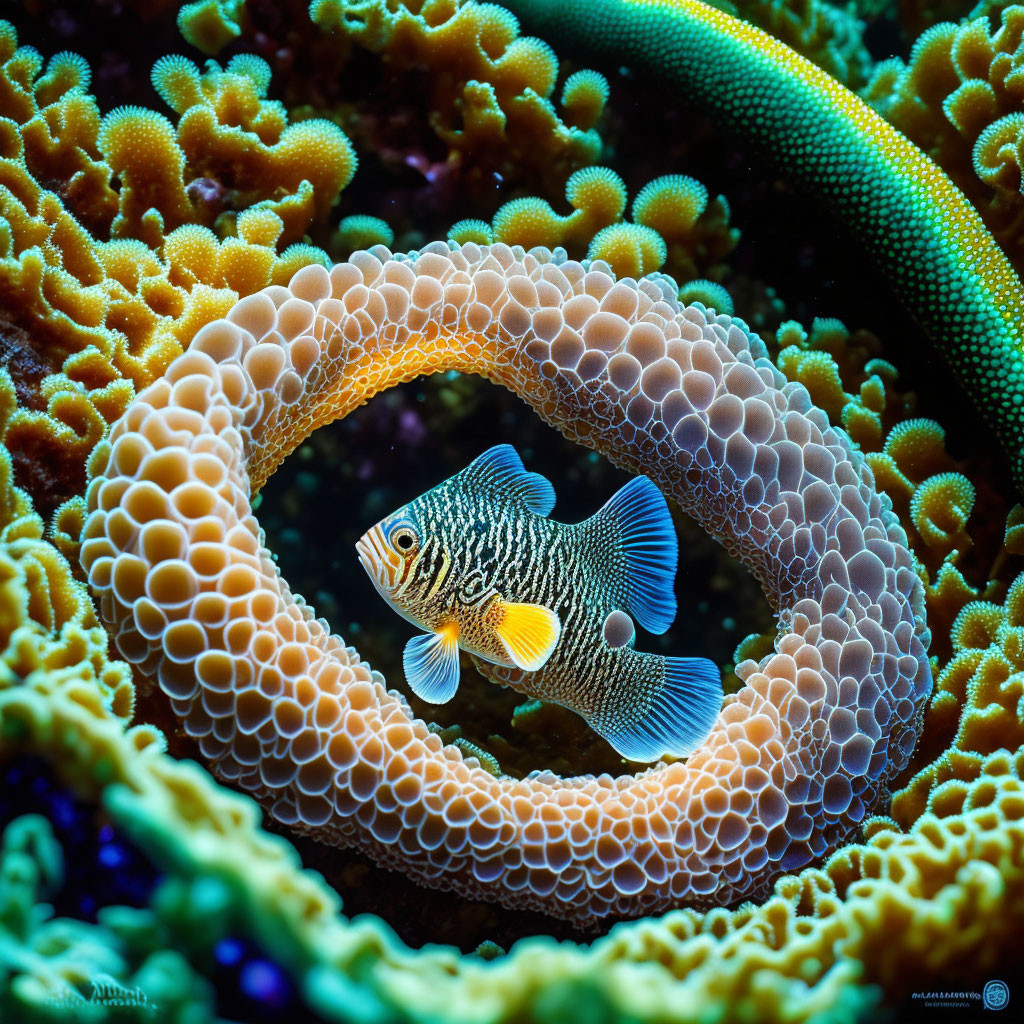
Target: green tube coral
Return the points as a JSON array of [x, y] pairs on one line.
[[932, 244]]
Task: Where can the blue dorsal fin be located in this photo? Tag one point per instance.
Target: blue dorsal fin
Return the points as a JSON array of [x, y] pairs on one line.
[[647, 538], [431, 663], [679, 716], [501, 469]]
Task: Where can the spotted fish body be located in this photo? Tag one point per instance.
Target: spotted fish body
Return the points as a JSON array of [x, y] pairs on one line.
[[542, 605]]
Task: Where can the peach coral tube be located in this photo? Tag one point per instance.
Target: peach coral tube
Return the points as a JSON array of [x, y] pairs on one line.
[[284, 710]]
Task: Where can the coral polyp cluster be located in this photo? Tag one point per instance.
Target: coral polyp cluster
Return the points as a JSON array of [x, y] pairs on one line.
[[491, 109], [98, 293], [231, 150], [673, 221]]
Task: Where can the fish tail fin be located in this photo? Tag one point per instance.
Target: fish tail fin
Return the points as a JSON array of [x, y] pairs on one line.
[[647, 539], [678, 714]]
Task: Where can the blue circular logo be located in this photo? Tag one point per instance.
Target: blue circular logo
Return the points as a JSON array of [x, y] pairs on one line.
[[995, 995]]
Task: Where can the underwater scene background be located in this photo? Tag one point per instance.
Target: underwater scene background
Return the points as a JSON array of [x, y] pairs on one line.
[[160, 162]]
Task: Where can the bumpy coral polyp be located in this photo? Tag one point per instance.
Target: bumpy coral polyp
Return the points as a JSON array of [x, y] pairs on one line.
[[285, 711], [230, 144]]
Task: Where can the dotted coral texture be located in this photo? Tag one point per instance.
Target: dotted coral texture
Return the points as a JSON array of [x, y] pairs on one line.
[[284, 710], [830, 36]]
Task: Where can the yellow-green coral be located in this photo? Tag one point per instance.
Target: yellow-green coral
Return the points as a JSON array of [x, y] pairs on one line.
[[48, 127], [489, 88], [709, 294], [980, 700], [940, 508], [597, 196], [209, 25], [631, 250], [934, 503], [486, 93], [360, 231], [831, 359], [696, 231], [584, 95], [471, 229], [675, 227], [49, 637], [94, 318], [232, 149]]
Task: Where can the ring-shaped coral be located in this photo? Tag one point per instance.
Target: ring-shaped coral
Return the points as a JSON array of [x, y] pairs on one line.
[[284, 710]]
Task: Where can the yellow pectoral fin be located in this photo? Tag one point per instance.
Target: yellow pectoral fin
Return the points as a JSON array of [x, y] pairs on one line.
[[528, 633]]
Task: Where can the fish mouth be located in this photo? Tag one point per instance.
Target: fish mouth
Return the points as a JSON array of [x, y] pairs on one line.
[[380, 564], [384, 568]]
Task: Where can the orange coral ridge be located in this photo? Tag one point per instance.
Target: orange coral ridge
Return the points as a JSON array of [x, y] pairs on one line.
[[286, 712]]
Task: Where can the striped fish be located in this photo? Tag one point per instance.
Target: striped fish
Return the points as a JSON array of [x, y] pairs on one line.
[[545, 607]]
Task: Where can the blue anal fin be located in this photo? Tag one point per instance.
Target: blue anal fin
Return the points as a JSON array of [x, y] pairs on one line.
[[648, 540], [679, 716], [431, 663]]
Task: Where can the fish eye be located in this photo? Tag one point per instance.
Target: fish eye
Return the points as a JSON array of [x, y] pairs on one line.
[[403, 538]]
